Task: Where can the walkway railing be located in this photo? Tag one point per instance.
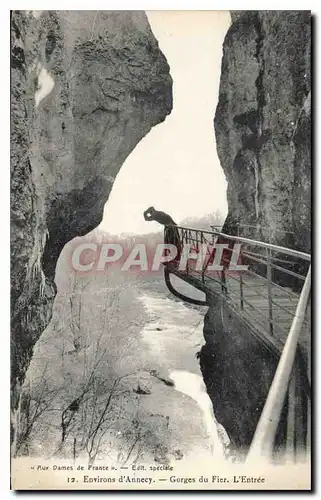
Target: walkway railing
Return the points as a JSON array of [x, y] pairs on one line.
[[277, 267], [273, 263]]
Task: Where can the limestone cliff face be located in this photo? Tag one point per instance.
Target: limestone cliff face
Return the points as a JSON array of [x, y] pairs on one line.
[[86, 87], [263, 121]]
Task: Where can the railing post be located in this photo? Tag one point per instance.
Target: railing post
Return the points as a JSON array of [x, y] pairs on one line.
[[187, 235], [269, 283], [241, 275], [308, 439], [290, 424], [203, 257]]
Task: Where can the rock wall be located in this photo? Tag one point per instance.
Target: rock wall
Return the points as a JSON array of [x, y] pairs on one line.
[[86, 87], [262, 124]]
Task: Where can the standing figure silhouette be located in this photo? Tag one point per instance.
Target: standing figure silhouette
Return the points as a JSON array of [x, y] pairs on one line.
[[171, 235]]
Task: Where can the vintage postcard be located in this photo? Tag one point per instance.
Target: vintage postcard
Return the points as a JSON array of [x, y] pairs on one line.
[[160, 246]]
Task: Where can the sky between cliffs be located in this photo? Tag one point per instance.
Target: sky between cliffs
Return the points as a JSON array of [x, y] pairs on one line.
[[175, 166]]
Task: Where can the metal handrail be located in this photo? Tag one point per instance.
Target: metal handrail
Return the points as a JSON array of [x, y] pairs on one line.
[[275, 266], [270, 300], [197, 237], [274, 259], [240, 239], [269, 246], [257, 226], [263, 440]]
